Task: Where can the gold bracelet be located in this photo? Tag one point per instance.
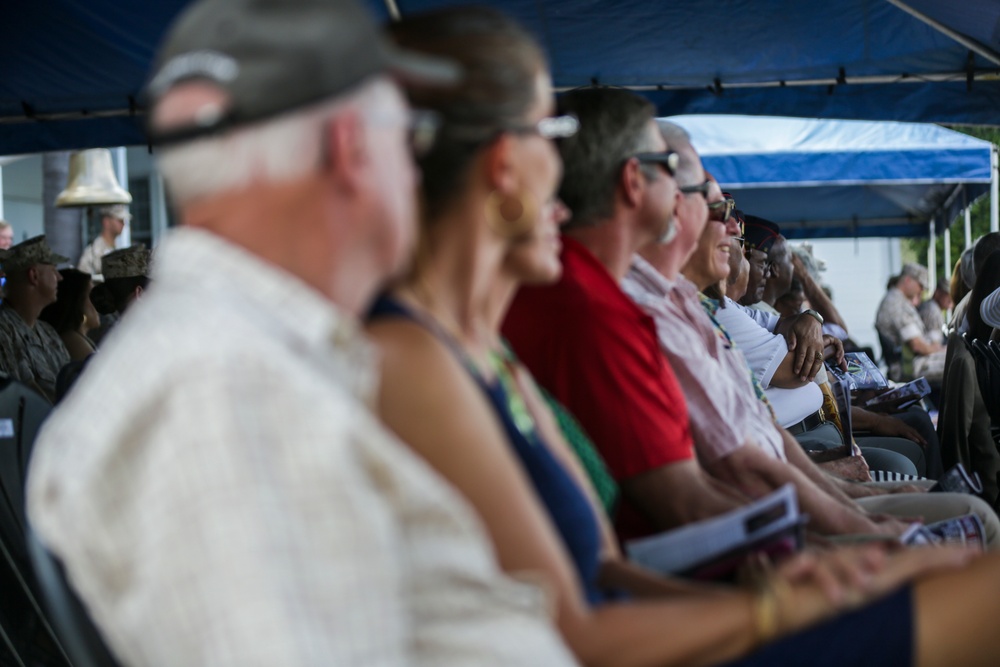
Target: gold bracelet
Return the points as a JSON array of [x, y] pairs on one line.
[[769, 599]]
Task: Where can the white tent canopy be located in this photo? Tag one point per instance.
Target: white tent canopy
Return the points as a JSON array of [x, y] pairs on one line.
[[836, 178]]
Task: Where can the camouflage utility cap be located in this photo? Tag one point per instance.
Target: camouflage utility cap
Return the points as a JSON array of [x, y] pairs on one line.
[[129, 262], [28, 253]]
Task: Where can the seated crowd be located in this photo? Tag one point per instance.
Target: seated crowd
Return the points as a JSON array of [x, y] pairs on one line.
[[418, 424]]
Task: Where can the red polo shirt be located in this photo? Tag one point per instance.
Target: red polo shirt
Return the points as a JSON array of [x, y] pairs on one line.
[[594, 350]]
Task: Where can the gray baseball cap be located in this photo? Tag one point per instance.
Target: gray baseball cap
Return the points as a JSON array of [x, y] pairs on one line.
[[272, 56], [917, 272]]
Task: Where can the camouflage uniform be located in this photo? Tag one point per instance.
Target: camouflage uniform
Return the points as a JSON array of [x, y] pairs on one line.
[[32, 355]]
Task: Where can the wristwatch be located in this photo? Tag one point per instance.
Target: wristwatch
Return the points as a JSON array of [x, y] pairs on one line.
[[813, 313]]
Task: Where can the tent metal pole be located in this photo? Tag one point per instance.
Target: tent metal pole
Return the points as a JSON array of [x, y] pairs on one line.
[[964, 40], [968, 227], [968, 220], [946, 265], [873, 79], [994, 191], [932, 252], [121, 171], [393, 9]]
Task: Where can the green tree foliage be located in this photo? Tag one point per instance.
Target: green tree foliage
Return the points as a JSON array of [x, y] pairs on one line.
[[916, 249]]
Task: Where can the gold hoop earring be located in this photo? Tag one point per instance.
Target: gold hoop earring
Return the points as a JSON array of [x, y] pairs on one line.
[[512, 225]]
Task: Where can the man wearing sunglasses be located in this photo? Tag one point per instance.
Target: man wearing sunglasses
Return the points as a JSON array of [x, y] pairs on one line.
[[588, 343], [735, 433], [759, 236]]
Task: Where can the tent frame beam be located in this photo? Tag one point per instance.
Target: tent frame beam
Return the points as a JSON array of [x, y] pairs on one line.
[[719, 87], [973, 45]]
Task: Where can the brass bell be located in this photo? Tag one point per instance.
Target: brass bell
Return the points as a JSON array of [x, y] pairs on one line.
[[92, 181]]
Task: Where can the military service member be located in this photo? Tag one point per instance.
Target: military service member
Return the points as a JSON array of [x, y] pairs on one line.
[[30, 349], [126, 276]]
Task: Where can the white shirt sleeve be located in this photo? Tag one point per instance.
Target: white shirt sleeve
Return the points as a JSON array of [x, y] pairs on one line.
[[763, 318], [763, 350]]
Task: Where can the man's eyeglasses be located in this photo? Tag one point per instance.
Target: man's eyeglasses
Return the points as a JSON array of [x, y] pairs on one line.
[[669, 160], [765, 265]]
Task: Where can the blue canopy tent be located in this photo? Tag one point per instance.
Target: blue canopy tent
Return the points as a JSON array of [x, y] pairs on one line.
[[72, 70], [832, 178]]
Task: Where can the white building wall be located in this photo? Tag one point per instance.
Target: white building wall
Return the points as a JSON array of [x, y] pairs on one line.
[[22, 196], [857, 271]]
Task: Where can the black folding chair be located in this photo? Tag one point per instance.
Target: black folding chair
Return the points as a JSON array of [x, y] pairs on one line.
[[26, 638], [892, 356], [988, 377], [77, 632], [59, 631]]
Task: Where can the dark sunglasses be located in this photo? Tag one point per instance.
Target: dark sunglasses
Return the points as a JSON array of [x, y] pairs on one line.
[[720, 211], [669, 160]]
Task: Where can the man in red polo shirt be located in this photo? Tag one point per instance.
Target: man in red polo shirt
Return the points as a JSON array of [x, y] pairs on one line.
[[589, 344]]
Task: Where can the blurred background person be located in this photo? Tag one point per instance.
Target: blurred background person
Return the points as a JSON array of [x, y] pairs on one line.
[[932, 311], [6, 235], [113, 221], [72, 315]]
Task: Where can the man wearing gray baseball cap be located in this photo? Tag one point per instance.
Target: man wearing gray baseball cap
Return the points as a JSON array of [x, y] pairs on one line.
[[898, 321], [241, 505]]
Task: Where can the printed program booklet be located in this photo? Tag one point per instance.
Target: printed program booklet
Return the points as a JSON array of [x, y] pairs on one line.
[[911, 392], [716, 547], [964, 530], [861, 373], [959, 480]]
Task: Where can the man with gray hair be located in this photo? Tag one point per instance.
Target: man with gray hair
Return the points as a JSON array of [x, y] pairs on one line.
[[113, 221], [241, 504], [899, 323]]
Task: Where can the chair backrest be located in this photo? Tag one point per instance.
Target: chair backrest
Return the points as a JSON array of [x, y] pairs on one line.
[[22, 412], [892, 355], [964, 421], [77, 632], [24, 627], [988, 375]]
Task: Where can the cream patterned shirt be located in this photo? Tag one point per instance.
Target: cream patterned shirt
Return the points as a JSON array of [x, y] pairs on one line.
[[241, 506], [897, 319], [90, 258]]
